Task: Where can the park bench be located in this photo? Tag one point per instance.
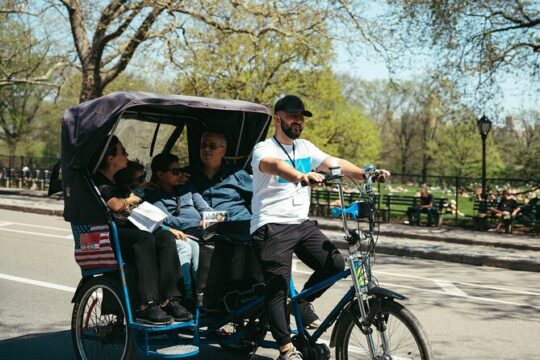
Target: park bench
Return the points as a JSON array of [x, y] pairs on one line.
[[401, 203], [528, 216]]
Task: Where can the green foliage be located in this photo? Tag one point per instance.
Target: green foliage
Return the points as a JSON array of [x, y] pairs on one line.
[[22, 57]]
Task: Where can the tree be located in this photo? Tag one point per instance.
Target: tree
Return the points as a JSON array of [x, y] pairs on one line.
[[474, 37], [23, 59]]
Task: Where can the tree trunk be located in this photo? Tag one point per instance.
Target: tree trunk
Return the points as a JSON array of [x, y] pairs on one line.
[[91, 86]]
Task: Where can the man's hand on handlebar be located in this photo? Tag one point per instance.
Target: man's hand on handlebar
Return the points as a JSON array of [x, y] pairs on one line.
[[311, 179], [382, 175]]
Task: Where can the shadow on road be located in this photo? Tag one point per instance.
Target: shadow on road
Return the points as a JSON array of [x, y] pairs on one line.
[[43, 346]]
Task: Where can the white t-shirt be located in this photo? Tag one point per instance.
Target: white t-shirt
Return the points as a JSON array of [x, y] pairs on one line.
[[275, 200]]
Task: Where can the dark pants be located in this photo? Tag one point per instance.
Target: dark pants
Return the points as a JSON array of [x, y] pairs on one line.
[[432, 214], [276, 244], [156, 262]]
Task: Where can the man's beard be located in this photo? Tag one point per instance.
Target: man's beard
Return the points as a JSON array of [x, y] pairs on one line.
[[289, 131]]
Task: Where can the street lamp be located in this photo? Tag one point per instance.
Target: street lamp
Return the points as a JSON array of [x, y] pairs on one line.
[[484, 125]]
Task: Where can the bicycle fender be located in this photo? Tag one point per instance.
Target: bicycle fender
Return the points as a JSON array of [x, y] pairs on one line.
[[347, 310], [83, 281], [384, 293]]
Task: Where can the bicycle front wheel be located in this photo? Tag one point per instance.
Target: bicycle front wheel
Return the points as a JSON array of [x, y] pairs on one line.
[[394, 325]]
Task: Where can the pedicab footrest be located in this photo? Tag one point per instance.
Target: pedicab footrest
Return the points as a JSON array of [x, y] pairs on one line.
[[183, 350], [154, 328]]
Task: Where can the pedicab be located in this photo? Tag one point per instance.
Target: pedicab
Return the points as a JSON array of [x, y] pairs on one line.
[[368, 321]]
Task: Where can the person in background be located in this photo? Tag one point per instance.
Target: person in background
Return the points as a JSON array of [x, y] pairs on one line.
[[184, 206], [425, 205], [506, 210], [154, 255]]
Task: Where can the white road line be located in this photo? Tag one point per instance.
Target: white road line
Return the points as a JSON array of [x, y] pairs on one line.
[[37, 234], [464, 283], [449, 288], [5, 223], [455, 294], [466, 296], [37, 283], [37, 226]]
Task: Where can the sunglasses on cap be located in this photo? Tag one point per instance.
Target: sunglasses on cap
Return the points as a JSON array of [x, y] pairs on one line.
[[211, 146], [175, 171]]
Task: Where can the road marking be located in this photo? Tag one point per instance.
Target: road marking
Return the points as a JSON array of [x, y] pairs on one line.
[[464, 283], [467, 296], [37, 283], [37, 234], [457, 293], [5, 223], [449, 288]]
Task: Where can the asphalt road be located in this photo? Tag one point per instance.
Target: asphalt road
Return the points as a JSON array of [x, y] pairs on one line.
[[468, 312]]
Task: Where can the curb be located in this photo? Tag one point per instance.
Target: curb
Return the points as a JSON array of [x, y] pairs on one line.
[[477, 260], [32, 210], [454, 240]]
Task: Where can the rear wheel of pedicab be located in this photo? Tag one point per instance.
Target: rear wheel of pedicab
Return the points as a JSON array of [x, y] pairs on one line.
[[99, 327], [405, 336]]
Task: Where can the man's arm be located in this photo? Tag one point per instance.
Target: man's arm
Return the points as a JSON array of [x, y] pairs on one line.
[[275, 166], [348, 168]]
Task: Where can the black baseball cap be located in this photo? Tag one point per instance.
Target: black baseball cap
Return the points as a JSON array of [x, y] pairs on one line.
[[291, 104]]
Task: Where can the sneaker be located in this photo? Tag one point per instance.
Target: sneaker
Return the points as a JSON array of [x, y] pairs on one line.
[[177, 311], [292, 354], [309, 318], [153, 315]]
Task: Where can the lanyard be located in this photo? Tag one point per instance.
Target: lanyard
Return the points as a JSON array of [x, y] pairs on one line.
[[293, 160]]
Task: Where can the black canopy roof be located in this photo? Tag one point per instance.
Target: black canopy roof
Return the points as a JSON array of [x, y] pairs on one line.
[[85, 128]]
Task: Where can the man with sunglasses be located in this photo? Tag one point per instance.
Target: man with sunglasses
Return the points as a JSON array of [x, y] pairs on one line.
[[223, 187], [280, 225], [226, 188]]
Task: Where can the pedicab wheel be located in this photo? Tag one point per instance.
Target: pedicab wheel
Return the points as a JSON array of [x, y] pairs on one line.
[[99, 327], [402, 332]]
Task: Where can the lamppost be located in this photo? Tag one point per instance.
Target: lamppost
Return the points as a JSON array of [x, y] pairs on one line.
[[484, 125]]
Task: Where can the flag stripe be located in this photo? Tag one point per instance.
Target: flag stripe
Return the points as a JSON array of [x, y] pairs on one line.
[[93, 247]]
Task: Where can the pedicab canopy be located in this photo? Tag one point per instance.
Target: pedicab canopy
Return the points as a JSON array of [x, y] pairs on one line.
[[87, 127]]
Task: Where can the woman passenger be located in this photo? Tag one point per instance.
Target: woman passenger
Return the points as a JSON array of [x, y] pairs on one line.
[[154, 255]]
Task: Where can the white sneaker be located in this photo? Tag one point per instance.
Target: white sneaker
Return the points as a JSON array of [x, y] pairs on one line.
[[292, 354]]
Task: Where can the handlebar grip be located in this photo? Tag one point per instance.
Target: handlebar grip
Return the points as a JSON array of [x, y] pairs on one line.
[[311, 181]]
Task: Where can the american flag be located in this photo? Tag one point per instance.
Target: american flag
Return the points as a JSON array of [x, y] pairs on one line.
[[92, 247]]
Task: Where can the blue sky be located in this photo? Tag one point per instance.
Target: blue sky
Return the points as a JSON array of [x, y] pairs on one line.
[[517, 92]]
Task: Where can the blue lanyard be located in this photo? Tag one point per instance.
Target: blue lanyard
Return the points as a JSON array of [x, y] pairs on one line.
[[293, 161]]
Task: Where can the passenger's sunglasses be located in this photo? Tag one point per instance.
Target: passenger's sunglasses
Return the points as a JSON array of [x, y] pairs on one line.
[[211, 146], [175, 171]]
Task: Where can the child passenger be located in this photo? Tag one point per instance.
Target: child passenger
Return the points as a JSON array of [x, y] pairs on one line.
[[184, 205]]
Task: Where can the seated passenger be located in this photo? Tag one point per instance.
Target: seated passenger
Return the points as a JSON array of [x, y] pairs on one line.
[[184, 205], [234, 266], [153, 255]]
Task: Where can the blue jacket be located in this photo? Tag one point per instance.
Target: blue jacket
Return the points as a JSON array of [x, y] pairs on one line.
[[184, 206], [229, 190]]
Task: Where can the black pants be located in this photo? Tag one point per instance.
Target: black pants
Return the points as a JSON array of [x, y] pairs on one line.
[[156, 262], [276, 243]]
